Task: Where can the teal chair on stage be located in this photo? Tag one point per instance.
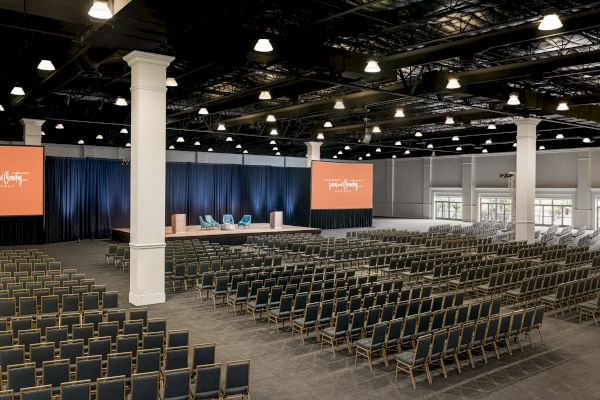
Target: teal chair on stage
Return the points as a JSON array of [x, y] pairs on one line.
[[228, 219], [245, 221], [211, 221], [204, 224]]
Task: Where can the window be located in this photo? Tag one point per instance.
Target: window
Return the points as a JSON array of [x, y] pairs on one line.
[[448, 207], [553, 211], [495, 209]]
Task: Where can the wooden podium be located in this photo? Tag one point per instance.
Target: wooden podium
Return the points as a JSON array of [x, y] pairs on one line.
[[276, 219], [178, 224]]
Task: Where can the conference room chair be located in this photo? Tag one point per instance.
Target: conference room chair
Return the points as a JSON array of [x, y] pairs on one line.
[[57, 334], [237, 380], [6, 338], [99, 346], [110, 329], [8, 307], [76, 390], [39, 353], [28, 337], [206, 283], [110, 388], [245, 221], [6, 394], [148, 361], [179, 276], [11, 355], [375, 344], [208, 382], [176, 385], [112, 251], [410, 360], [94, 318], [46, 321], [88, 367], [203, 354], [156, 325], [211, 221], [71, 350], [70, 319], [43, 392], [116, 316], [127, 343], [220, 290], [228, 219], [134, 327], [119, 364], [145, 386], [153, 340], [20, 376], [19, 324], [176, 358]]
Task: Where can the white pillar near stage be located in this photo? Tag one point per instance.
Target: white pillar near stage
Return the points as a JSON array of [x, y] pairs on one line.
[[313, 152], [148, 176], [32, 131], [526, 162]]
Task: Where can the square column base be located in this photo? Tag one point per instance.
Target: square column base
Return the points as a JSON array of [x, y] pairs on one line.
[[147, 274], [525, 231]]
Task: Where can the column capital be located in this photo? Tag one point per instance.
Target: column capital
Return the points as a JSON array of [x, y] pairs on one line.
[[527, 121], [316, 145], [136, 57], [30, 121]]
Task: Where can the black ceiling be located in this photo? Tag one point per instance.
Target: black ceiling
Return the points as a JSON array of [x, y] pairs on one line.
[[321, 48]]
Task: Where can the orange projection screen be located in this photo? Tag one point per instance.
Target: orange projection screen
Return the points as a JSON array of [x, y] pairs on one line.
[[21, 180], [341, 186]]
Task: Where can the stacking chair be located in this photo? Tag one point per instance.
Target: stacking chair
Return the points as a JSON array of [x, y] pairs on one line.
[[156, 325], [207, 282], [204, 354], [452, 343], [70, 303], [410, 360], [237, 380], [145, 386], [110, 388], [49, 305], [110, 329], [71, 350], [220, 290], [338, 332], [39, 353], [75, 390], [176, 384], [239, 297], [55, 373], [176, 358], [83, 332], [153, 340], [309, 320], [134, 327], [21, 376], [208, 382], [110, 300], [177, 338], [57, 334], [100, 346], [148, 361], [119, 364], [127, 343], [116, 316], [369, 346], [282, 313], [6, 338], [258, 305], [436, 352], [27, 306], [28, 337], [11, 355], [43, 392], [88, 367]]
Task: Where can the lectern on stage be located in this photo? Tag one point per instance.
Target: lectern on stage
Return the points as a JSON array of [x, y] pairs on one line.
[[276, 219], [178, 223]]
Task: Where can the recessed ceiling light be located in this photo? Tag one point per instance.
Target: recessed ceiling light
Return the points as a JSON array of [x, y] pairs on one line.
[[453, 83], [171, 82], [278, 154], [124, 130], [393, 156], [378, 150], [17, 91], [346, 147], [399, 113], [171, 147], [376, 129], [491, 126], [120, 101], [263, 46], [430, 146], [272, 142], [245, 151], [221, 127], [562, 106], [229, 139], [407, 152], [334, 156], [418, 134], [238, 146], [360, 158], [59, 126], [542, 147], [560, 136], [180, 139], [340, 152], [1, 108], [275, 148], [127, 144], [449, 120], [264, 95], [320, 136], [372, 67], [398, 143], [327, 124], [271, 118], [484, 151], [203, 111], [80, 141], [368, 154], [459, 148], [46, 65], [196, 143], [99, 137], [43, 133], [488, 141], [339, 104], [586, 140], [100, 10], [455, 138], [513, 99], [273, 132], [550, 22], [210, 149]]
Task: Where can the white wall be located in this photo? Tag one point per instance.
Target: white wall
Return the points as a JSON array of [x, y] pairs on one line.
[[401, 190]]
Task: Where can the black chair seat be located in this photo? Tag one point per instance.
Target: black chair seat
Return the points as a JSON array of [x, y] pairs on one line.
[[364, 343], [304, 324], [236, 390]]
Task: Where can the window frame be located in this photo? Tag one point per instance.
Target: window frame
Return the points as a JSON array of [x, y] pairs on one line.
[[548, 206], [448, 201]]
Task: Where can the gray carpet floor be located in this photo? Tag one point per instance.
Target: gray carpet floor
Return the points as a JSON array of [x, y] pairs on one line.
[[566, 365]]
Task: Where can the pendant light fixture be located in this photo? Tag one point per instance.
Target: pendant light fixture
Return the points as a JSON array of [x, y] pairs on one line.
[[203, 111], [180, 139], [80, 141], [263, 46], [334, 156], [264, 95], [124, 130], [275, 148], [360, 158], [273, 132], [46, 65], [271, 118], [513, 99], [407, 152], [393, 156], [491, 126], [99, 137], [320, 136], [586, 140], [376, 129], [43, 133], [221, 127], [127, 144], [17, 91], [339, 104], [171, 147], [229, 139], [340, 152], [346, 147], [399, 113], [245, 151], [327, 124], [210, 149], [455, 138], [484, 151], [278, 154], [171, 82], [514, 144], [59, 126], [398, 143], [418, 134], [550, 22], [542, 147], [453, 83], [378, 150], [562, 106], [272, 142], [368, 154], [489, 141], [459, 148], [1, 108], [238, 146], [560, 136], [120, 101], [449, 120], [372, 67], [430, 146], [100, 10], [197, 143]]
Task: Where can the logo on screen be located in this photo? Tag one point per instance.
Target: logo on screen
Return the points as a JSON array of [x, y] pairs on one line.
[[12, 179], [344, 185]]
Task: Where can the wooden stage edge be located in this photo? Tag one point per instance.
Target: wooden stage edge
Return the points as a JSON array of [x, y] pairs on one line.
[[235, 236]]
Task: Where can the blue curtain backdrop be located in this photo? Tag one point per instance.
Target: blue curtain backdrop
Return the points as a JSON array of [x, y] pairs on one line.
[[86, 197]]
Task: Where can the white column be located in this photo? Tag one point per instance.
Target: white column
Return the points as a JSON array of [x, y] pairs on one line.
[[469, 206], [390, 167], [526, 153], [427, 202], [32, 131], [148, 170], [583, 201], [313, 152]]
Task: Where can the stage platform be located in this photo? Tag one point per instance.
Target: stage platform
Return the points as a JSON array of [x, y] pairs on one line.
[[235, 237]]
